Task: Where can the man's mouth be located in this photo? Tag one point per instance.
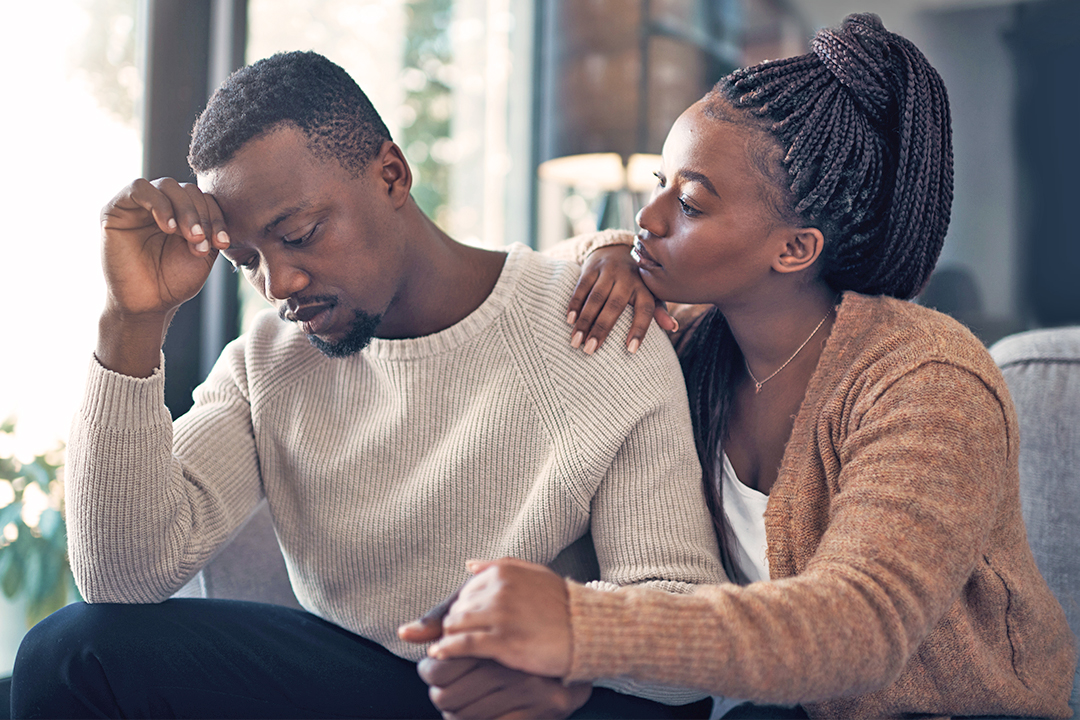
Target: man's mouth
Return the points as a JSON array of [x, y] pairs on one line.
[[314, 319]]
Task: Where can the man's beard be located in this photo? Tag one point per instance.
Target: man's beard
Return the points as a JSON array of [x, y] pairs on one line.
[[356, 339]]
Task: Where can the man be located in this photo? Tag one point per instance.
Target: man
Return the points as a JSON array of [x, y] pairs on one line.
[[418, 406]]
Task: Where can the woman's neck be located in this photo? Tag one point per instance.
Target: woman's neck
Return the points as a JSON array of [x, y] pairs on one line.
[[779, 332]]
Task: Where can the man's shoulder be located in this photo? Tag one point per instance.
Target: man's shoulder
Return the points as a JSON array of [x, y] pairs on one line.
[[538, 330], [270, 346]]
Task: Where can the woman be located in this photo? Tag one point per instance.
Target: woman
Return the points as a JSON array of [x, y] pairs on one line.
[[859, 450]]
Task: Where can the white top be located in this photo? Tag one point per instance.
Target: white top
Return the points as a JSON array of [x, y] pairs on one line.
[[386, 470], [744, 509]]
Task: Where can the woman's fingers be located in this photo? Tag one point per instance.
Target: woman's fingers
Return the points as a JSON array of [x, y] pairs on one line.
[[514, 612], [609, 282]]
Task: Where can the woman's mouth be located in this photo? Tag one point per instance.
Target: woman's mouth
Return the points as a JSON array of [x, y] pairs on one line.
[[641, 256]]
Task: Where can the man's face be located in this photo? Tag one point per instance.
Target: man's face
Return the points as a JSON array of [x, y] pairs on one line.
[[315, 241]]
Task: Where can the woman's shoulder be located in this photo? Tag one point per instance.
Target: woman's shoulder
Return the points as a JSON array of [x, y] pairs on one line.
[[900, 335]]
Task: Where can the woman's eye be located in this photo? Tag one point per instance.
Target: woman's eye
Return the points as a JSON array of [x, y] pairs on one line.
[[659, 178], [688, 209]]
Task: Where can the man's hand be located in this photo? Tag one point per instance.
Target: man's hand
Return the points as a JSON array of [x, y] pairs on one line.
[[159, 241], [469, 688]]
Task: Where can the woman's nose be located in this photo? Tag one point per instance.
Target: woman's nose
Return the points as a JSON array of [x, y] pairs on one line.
[[650, 219]]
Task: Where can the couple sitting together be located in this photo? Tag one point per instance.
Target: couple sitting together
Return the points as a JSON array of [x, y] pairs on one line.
[[823, 520]]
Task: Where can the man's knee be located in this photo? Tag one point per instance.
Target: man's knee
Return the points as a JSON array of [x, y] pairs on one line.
[[61, 662]]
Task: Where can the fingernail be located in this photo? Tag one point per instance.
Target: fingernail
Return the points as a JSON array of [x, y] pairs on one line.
[[571, 317], [203, 246], [171, 223], [676, 322], [196, 230], [633, 346], [590, 347], [223, 237], [575, 342]]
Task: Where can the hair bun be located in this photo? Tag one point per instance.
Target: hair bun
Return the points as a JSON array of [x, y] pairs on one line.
[[858, 54]]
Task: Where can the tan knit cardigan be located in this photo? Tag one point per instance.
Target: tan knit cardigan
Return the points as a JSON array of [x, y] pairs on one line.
[[902, 581]]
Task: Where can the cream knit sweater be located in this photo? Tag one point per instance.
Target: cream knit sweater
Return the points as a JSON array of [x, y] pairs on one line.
[[387, 470]]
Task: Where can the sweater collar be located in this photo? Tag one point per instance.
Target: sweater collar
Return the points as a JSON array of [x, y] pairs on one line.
[[468, 327]]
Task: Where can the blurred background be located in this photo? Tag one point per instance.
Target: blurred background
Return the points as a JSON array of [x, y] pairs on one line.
[[524, 120]]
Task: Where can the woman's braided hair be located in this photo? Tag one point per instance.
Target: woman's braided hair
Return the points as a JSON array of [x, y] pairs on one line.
[[863, 124]]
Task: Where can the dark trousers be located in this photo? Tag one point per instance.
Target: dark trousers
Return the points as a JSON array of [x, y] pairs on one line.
[[230, 659]]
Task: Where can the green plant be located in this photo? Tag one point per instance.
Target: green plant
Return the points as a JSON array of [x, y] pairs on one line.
[[33, 537]]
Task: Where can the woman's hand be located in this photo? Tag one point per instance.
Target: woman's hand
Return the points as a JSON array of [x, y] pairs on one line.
[[511, 611], [609, 282], [472, 688]]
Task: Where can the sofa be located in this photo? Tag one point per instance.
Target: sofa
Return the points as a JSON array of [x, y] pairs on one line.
[[1042, 369]]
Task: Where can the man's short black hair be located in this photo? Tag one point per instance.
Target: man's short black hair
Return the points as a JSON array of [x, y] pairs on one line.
[[302, 88]]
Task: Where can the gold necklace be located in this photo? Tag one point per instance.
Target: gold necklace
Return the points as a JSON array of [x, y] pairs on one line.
[[759, 383]]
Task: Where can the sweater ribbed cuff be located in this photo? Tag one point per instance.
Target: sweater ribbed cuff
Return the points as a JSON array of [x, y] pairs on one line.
[[121, 402]]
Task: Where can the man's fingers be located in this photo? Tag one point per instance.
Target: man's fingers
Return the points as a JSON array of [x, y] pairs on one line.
[[190, 212], [421, 632], [445, 672], [220, 236]]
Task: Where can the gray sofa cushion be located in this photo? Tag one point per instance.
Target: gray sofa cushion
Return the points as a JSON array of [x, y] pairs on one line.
[[1042, 369]]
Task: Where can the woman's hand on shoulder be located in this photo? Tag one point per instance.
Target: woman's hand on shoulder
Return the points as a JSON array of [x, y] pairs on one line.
[[609, 282]]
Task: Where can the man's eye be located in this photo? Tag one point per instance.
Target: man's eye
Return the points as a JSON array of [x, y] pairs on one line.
[[248, 264], [302, 239]]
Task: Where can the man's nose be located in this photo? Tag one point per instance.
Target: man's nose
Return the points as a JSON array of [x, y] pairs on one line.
[[282, 280]]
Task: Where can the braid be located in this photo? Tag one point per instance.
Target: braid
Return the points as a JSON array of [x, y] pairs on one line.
[[864, 124], [711, 361], [862, 128]]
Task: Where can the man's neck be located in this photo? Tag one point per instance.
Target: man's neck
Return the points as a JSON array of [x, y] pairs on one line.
[[447, 282]]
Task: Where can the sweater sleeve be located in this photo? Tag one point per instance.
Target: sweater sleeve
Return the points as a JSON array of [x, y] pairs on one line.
[[923, 469], [147, 506], [649, 520]]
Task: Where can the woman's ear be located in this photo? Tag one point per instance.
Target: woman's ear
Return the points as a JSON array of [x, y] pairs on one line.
[[802, 248], [395, 173]]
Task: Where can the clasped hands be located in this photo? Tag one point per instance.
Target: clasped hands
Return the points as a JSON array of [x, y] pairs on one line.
[[502, 647]]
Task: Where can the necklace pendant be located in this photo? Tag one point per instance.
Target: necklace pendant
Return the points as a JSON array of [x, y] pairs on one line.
[[757, 387]]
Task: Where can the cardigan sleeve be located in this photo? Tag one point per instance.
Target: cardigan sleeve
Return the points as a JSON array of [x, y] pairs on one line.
[[923, 469]]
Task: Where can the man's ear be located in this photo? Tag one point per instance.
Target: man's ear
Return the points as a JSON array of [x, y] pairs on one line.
[[394, 173], [802, 248]]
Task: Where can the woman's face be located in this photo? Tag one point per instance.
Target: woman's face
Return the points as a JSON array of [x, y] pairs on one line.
[[709, 233]]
